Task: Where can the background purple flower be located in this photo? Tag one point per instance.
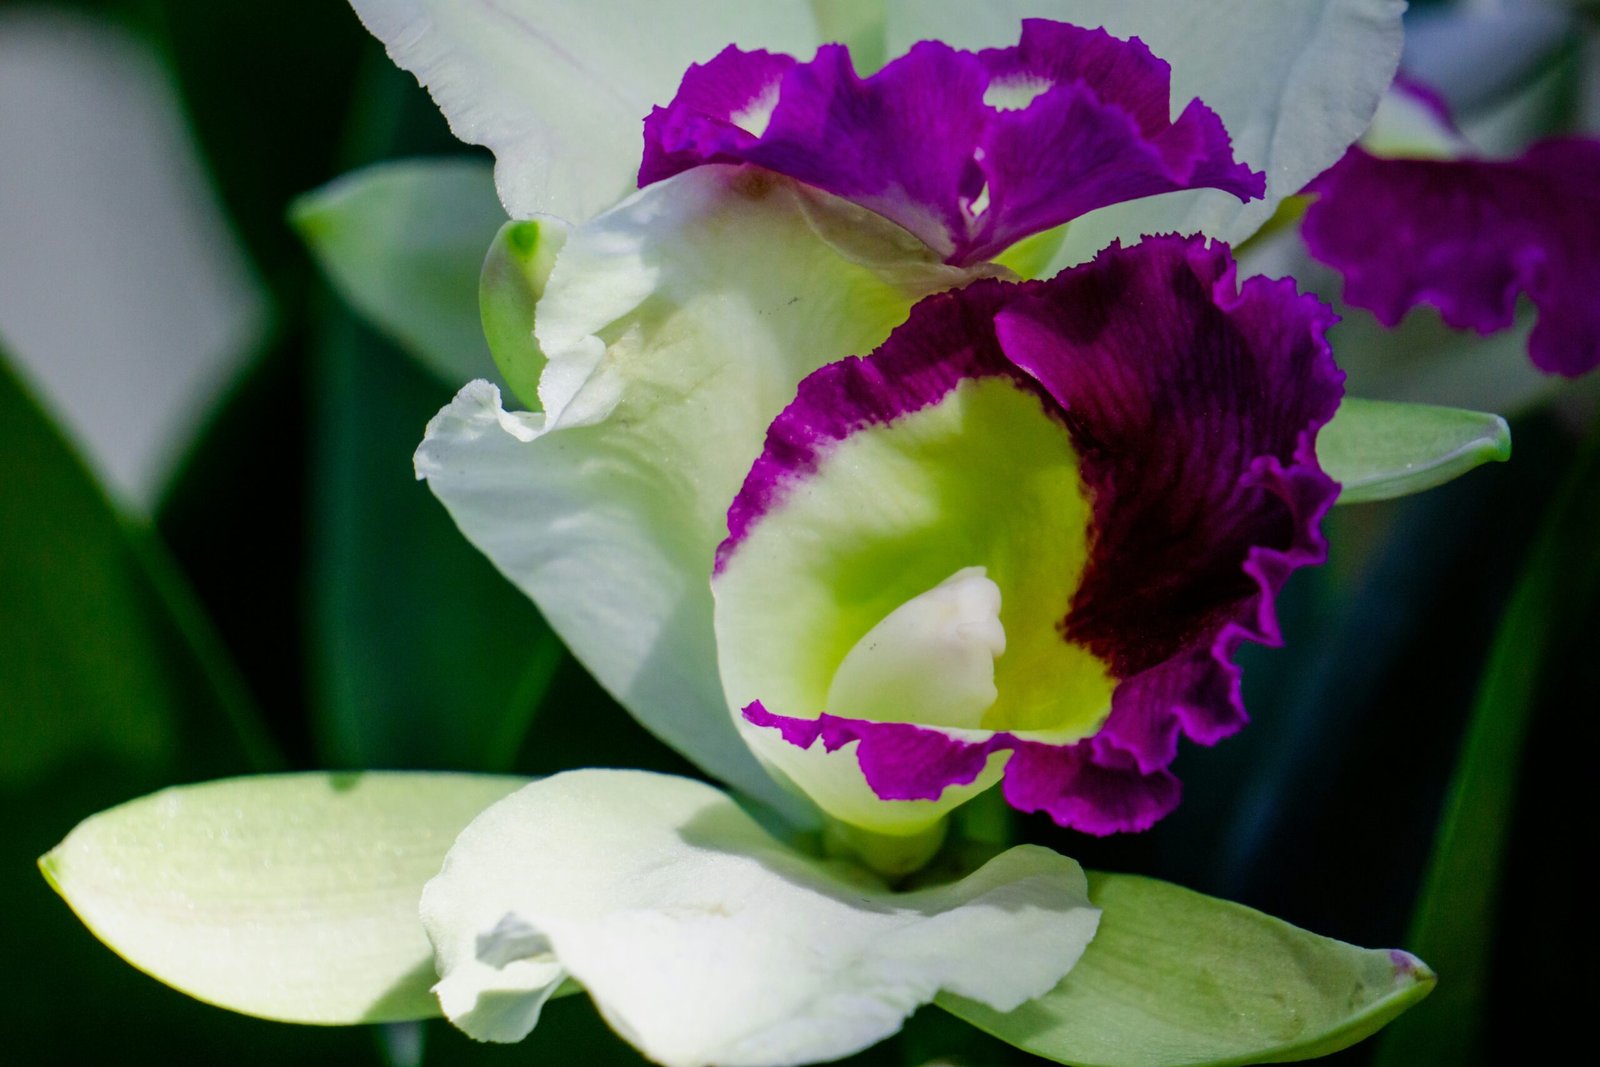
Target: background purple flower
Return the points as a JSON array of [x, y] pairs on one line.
[[1468, 236]]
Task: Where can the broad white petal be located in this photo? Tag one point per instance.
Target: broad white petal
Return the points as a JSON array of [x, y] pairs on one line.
[[558, 90], [676, 327], [702, 940], [1295, 81]]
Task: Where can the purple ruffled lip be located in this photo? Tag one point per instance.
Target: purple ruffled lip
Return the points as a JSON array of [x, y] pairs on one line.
[[1193, 404], [970, 151], [1468, 236]]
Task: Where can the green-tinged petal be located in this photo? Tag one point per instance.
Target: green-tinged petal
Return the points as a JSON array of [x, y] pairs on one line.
[[290, 897], [979, 492], [557, 90], [1408, 126], [514, 275], [674, 335], [1294, 82], [403, 243], [859, 25], [1177, 979], [1423, 361], [702, 940], [1378, 449]]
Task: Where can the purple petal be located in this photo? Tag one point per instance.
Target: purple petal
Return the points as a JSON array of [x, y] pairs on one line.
[[918, 143], [1205, 497], [1193, 405], [1467, 236], [1079, 786]]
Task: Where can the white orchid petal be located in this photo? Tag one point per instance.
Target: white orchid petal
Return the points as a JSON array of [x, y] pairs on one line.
[[558, 90], [674, 334], [702, 940]]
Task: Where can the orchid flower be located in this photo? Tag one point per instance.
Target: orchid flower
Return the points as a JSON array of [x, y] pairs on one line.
[[864, 524], [662, 356], [1415, 214], [1020, 540]]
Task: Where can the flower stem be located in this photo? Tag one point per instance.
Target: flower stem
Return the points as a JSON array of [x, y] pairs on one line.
[[891, 855]]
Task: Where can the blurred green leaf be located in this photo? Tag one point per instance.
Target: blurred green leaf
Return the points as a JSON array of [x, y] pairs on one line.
[[1378, 449], [404, 243], [422, 655], [1456, 907], [102, 649], [267, 89], [1176, 978], [290, 897]]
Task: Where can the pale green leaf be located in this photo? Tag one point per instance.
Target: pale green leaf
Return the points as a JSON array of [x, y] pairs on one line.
[[1378, 449], [1177, 979], [404, 244], [290, 897], [703, 940]]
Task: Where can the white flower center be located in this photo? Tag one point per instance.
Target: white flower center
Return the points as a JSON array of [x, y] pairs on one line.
[[930, 661]]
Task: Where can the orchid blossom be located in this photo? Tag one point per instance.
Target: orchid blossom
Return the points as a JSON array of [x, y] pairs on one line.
[[854, 516], [1020, 539], [1415, 215]]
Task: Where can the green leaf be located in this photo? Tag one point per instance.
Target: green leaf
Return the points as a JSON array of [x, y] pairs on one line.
[[404, 244], [1456, 908], [103, 651], [1377, 449], [513, 280], [1174, 978], [290, 897], [422, 655]]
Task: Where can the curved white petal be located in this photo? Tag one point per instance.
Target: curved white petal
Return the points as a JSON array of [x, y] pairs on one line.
[[559, 90], [675, 331], [1295, 81], [702, 940]]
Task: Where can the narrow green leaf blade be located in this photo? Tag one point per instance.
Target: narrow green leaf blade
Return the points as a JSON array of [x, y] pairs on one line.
[[422, 655], [103, 652], [1378, 449], [404, 244], [290, 897], [1174, 978], [1455, 916]]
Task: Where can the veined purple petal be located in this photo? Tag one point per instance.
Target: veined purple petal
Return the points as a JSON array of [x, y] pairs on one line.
[[1200, 457], [1468, 236], [1193, 405], [969, 151]]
